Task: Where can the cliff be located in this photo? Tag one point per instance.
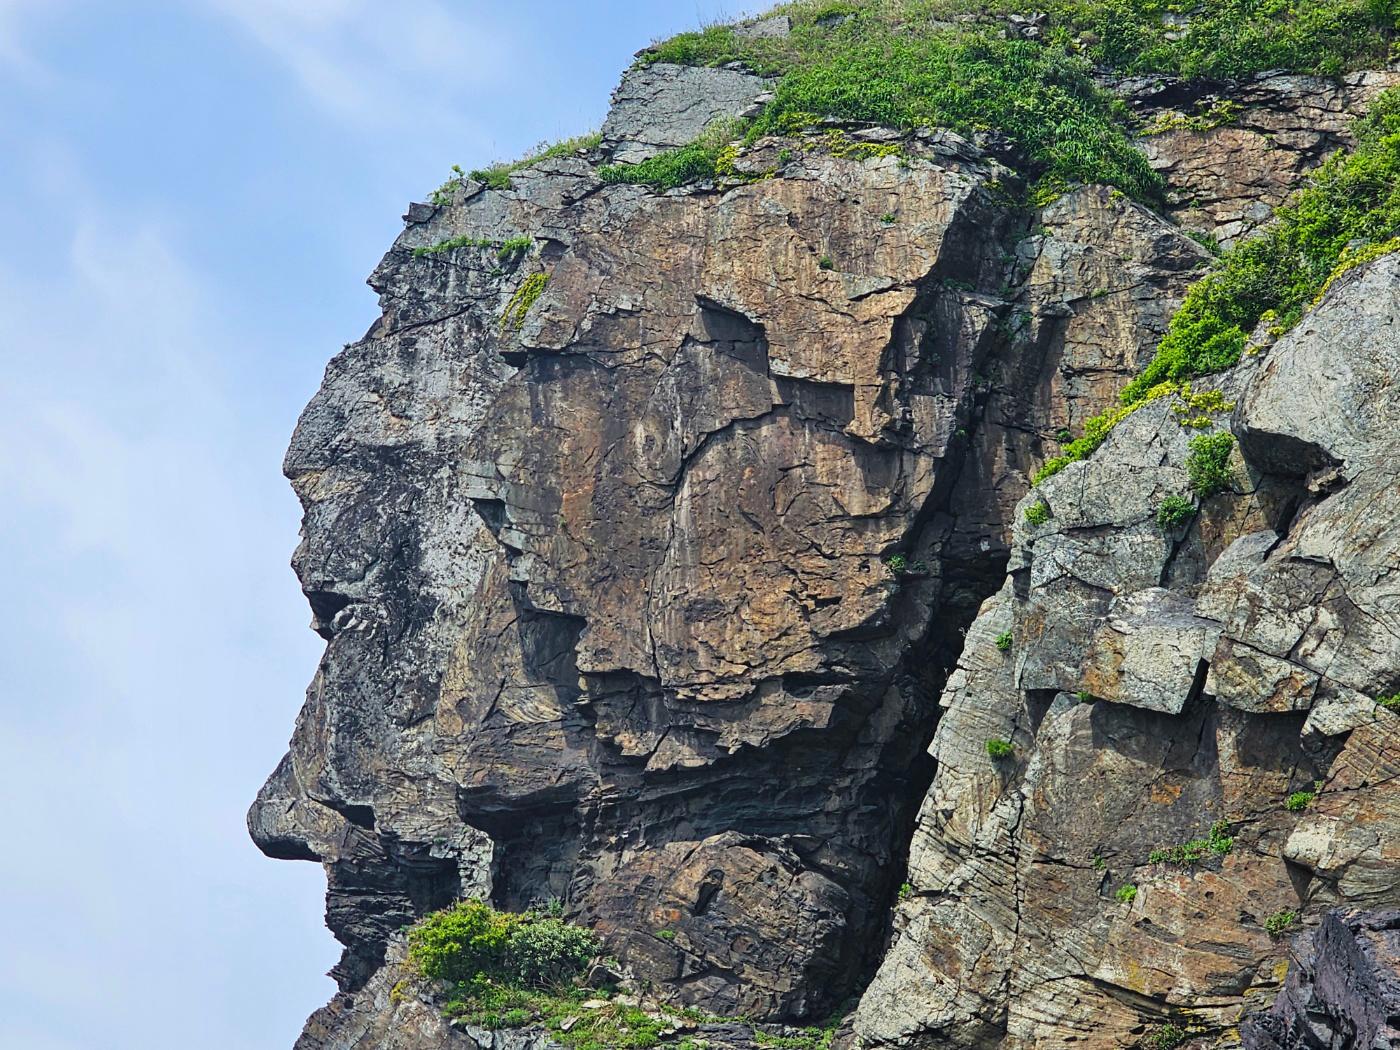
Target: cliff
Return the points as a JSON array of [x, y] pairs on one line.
[[731, 531]]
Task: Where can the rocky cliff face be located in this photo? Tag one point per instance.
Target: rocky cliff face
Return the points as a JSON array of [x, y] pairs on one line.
[[650, 559]]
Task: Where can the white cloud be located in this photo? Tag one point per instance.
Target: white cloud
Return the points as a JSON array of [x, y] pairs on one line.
[[368, 62]]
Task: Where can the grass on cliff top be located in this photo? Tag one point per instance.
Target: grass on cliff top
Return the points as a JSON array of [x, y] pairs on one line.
[[951, 63], [1218, 39], [1347, 214]]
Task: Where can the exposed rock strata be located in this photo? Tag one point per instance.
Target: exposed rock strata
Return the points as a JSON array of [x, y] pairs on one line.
[[1159, 683], [646, 602]]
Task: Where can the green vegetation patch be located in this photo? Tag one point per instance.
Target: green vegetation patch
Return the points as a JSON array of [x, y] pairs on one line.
[[525, 297], [472, 939], [1004, 641], [1126, 894], [497, 176], [1208, 464], [1038, 513], [1349, 212], [1217, 843], [1280, 922], [999, 749], [1174, 512], [1390, 703], [1299, 801], [950, 63]]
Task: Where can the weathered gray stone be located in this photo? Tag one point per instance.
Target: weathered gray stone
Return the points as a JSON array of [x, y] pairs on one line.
[[660, 106]]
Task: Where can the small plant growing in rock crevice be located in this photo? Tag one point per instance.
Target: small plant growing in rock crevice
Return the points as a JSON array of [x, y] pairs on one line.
[[1280, 922], [1390, 703], [1038, 513], [1004, 641], [1208, 465], [1299, 800], [1126, 894], [1168, 1037], [525, 297], [1173, 512], [999, 749], [1217, 843]]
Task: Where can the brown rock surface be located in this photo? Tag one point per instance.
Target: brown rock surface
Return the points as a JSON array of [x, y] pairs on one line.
[[642, 558]]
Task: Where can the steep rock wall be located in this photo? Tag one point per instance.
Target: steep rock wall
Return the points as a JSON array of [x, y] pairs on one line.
[[641, 594]]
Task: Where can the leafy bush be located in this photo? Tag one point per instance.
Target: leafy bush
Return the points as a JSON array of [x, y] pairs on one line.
[[543, 951], [1390, 703], [1173, 512], [897, 563], [1004, 641], [1208, 464], [1299, 800], [1038, 513], [1126, 894], [999, 749], [471, 940], [1217, 843], [1084, 696], [906, 890], [1280, 922]]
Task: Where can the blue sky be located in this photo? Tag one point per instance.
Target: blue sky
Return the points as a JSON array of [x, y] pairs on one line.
[[191, 194]]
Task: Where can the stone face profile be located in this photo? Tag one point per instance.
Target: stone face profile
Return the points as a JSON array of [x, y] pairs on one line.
[[674, 591]]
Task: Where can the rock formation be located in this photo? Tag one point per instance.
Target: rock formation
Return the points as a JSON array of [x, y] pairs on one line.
[[650, 559]]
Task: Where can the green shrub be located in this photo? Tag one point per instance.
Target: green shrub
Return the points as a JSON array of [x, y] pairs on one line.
[[999, 749], [906, 890], [1084, 696], [1390, 703], [1217, 843], [897, 563], [1126, 894], [543, 951], [1005, 641], [1280, 922], [1299, 800], [1208, 464], [1038, 513], [1173, 512], [665, 935], [825, 263], [459, 942], [472, 939]]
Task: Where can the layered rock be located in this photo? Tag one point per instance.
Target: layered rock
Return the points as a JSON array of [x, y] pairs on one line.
[[642, 557], [1164, 687]]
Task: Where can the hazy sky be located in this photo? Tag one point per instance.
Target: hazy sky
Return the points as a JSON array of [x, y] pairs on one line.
[[191, 194]]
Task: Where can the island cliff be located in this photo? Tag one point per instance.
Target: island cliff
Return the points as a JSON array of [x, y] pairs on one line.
[[734, 531]]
